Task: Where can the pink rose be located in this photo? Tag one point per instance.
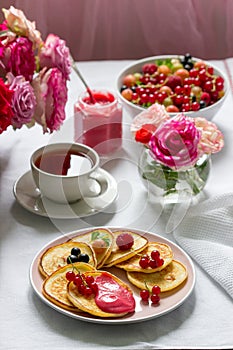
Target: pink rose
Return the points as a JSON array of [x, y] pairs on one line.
[[155, 115], [17, 22], [23, 101], [175, 143], [55, 53], [51, 95], [19, 58], [211, 137]]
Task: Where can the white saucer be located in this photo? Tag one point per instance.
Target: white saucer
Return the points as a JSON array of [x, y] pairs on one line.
[[28, 195]]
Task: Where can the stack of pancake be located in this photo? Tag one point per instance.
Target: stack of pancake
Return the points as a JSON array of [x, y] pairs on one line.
[[101, 247]]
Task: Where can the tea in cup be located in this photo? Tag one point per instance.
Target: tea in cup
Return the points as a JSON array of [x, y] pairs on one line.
[[66, 172]]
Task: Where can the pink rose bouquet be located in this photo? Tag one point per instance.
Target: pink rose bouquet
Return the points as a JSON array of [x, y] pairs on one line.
[[176, 154], [176, 142], [33, 75]]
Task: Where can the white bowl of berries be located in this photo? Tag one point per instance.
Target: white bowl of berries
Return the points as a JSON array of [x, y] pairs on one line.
[[180, 83]]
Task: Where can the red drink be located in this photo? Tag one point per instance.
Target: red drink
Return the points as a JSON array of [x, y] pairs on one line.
[[98, 125]]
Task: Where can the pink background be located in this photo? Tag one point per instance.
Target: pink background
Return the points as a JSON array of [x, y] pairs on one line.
[[131, 29]]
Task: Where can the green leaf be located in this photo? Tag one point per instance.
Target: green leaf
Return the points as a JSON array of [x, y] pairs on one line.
[[106, 240], [166, 62], [95, 235]]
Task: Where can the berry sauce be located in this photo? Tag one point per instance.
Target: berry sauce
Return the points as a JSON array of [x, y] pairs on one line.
[[100, 98], [112, 297]]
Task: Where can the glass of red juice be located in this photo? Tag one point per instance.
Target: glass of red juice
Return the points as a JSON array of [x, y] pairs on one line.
[[98, 125]]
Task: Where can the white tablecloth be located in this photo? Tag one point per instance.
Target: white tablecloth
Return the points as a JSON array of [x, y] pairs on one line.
[[204, 320]]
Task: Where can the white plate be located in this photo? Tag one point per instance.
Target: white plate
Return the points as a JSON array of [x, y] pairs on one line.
[[28, 195], [143, 312]]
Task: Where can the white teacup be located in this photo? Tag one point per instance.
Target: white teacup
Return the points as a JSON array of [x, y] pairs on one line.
[[66, 172]]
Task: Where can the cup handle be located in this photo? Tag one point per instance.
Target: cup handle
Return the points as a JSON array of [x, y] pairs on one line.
[[100, 185]]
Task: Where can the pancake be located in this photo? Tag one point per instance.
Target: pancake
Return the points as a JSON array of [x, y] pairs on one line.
[[55, 286], [132, 264], [118, 256], [101, 240], [88, 304], [56, 256], [167, 279]]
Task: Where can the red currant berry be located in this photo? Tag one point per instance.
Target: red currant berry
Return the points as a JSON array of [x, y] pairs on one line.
[[214, 95], [154, 80], [89, 279], [160, 262], [144, 294], [195, 106], [178, 90], [94, 287], [185, 107], [78, 280], [161, 96], [144, 262], [144, 79], [134, 96], [87, 291], [151, 98], [155, 298], [70, 275], [144, 98], [139, 90], [81, 288], [193, 73], [208, 86], [153, 263], [210, 70], [187, 89], [161, 77], [196, 82], [219, 79], [179, 99], [219, 85], [186, 99], [156, 289], [155, 254]]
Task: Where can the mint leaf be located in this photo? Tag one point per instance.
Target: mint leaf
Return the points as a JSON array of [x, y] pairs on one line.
[[95, 235]]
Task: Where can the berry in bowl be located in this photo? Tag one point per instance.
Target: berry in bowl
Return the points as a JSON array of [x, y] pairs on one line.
[[179, 83]]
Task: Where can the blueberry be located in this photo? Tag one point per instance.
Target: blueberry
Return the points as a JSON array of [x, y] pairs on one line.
[[187, 57], [183, 61], [123, 88], [72, 259], [187, 66], [133, 88], [194, 98], [75, 251], [83, 257], [202, 104]]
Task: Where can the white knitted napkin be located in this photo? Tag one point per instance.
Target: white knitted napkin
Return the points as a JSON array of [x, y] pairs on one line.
[[206, 234]]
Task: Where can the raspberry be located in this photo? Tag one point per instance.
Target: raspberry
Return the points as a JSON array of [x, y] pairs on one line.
[[124, 241]]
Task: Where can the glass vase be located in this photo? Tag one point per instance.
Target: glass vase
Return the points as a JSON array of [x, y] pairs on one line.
[[173, 186]]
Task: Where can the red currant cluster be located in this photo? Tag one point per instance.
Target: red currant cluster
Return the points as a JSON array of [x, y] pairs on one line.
[[179, 86], [154, 296], [85, 283], [153, 261]]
